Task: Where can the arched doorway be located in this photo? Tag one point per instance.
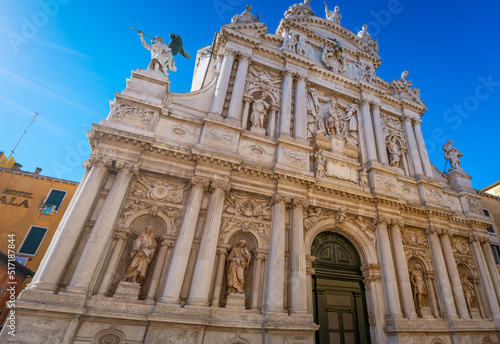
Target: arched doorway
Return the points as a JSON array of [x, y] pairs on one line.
[[339, 295]]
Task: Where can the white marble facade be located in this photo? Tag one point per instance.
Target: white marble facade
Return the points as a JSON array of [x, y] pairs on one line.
[[284, 136]]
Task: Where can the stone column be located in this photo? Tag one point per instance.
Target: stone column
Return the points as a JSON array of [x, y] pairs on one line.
[[160, 261], [456, 285], [222, 83], [387, 264], [166, 266], [487, 282], [246, 111], [442, 274], [361, 137], [116, 249], [492, 267], [276, 264], [426, 164], [260, 255], [479, 297], [429, 276], [102, 230], [371, 151], [221, 267], [182, 250], [235, 107], [272, 121], [412, 145], [379, 134], [204, 267], [286, 103], [402, 270], [298, 277], [300, 111], [310, 272], [69, 230]]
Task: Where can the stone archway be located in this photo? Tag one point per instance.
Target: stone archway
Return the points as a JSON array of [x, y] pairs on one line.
[[339, 296]]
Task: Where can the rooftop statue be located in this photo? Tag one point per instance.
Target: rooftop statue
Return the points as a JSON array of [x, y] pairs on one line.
[[246, 16], [162, 55], [300, 9], [334, 16], [403, 80], [452, 154], [371, 44]]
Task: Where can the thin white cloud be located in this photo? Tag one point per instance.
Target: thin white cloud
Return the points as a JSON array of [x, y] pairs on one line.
[[62, 48]]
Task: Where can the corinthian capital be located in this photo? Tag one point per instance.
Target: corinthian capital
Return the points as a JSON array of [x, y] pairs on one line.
[[280, 199], [221, 184], [201, 181], [416, 121], [298, 202], [383, 220]]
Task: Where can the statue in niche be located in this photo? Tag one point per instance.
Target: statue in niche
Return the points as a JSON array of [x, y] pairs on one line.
[[259, 112], [334, 16], [452, 154], [246, 16], [368, 74], [143, 250], [352, 126], [238, 261], [302, 46], [363, 178], [333, 123], [468, 288], [418, 284], [394, 151], [313, 112]]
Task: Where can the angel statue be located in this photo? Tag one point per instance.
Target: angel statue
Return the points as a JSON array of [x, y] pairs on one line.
[[162, 55]]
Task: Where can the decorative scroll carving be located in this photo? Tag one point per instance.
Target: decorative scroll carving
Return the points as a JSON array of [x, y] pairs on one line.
[[422, 254], [133, 206], [133, 114], [230, 223], [159, 189]]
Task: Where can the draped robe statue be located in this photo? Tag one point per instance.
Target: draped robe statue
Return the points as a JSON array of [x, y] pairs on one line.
[[238, 261], [143, 250]]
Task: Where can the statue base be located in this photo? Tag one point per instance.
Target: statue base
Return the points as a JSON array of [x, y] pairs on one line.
[[235, 301], [128, 290], [425, 312], [258, 131]]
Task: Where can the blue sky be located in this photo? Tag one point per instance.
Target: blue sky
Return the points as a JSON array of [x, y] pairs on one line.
[[65, 61]]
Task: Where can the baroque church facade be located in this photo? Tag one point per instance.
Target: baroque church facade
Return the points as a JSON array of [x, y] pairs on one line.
[[288, 198]]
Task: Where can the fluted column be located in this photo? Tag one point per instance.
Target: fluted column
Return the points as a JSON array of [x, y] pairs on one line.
[[116, 249], [160, 261], [361, 137], [182, 250], [300, 111], [402, 270], [271, 128], [387, 264], [379, 134], [222, 252], [371, 150], [102, 231], [456, 285], [298, 277], [412, 145], [429, 276], [69, 231], [442, 274], [203, 270], [260, 255], [486, 279], [222, 83], [276, 264], [246, 111], [286, 103], [235, 105], [492, 267], [426, 164]]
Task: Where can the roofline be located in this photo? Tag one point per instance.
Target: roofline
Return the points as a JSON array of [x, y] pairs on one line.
[[491, 186], [34, 175]]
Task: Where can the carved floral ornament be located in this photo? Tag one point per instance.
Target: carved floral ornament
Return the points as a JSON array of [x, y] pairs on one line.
[[159, 189]]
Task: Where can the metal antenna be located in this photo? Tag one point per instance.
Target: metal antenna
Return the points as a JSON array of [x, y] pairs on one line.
[[35, 115]]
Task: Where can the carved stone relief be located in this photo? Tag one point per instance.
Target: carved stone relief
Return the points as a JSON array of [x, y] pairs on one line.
[[295, 157], [388, 182], [133, 115], [35, 330], [414, 238], [460, 246], [475, 205], [433, 194], [314, 215], [329, 167], [108, 338], [159, 189], [219, 137], [368, 228], [169, 336]]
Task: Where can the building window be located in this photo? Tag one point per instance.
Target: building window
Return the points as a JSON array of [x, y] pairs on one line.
[[54, 199], [32, 240], [487, 214], [496, 253]]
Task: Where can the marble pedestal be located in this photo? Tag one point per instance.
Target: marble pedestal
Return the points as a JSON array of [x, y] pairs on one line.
[[128, 290], [258, 131], [236, 301], [425, 312]]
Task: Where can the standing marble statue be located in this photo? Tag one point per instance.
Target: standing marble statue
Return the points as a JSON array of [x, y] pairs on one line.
[[259, 111], [334, 16], [468, 288], [394, 151], [238, 261], [313, 112], [143, 250], [162, 55], [452, 154], [352, 125], [333, 125], [246, 16], [417, 281]]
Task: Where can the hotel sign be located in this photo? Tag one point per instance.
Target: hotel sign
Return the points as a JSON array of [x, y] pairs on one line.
[[15, 198]]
